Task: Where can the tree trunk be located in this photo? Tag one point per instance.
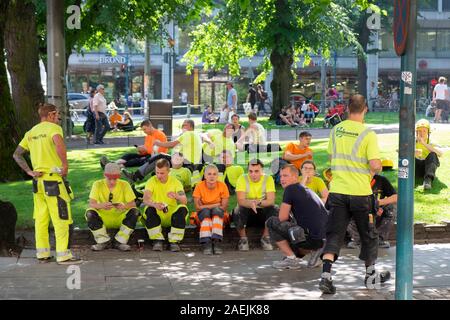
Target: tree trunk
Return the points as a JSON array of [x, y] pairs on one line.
[[9, 137], [363, 39], [282, 81], [22, 50]]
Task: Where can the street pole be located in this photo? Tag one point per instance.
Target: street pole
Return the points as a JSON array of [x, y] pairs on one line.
[[147, 77], [56, 58], [406, 164]]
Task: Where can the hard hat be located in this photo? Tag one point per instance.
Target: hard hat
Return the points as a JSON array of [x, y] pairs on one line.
[[387, 164], [327, 174], [423, 123]]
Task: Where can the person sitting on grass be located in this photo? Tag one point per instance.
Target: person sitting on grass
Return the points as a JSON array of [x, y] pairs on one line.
[[229, 173], [300, 226], [184, 175], [310, 180], [215, 141], [114, 118], [211, 202], [285, 118], [165, 203], [126, 124], [208, 116], [111, 205], [254, 138]]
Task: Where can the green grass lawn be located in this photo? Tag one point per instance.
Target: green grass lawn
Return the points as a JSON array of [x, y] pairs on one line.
[[430, 207]]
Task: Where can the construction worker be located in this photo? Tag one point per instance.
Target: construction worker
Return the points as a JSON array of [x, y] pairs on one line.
[[228, 172], [211, 202], [112, 205], [184, 175], [256, 200], [310, 180], [215, 141], [355, 157], [51, 193], [426, 155], [165, 202]]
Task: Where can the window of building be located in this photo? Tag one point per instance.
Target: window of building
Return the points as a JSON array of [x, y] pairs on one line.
[[426, 43], [446, 5], [386, 39], [428, 5], [443, 43]]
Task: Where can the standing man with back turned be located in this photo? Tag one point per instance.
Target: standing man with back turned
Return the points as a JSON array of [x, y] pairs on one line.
[[51, 195], [354, 157]]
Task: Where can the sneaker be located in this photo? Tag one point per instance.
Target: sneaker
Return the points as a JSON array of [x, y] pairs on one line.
[[217, 248], [70, 261], [353, 245], [287, 263], [158, 245], [384, 244], [207, 248], [266, 244], [427, 184], [381, 277], [122, 246], [100, 246], [326, 286], [104, 161], [314, 260], [243, 244], [129, 176], [174, 247]]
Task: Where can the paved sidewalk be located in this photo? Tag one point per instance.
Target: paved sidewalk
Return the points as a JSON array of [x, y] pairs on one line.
[[232, 276]]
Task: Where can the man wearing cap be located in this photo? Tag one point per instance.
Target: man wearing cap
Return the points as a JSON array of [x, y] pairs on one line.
[[101, 120], [427, 155], [111, 205]]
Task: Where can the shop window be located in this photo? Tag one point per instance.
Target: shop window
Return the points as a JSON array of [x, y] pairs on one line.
[[427, 5], [386, 43], [426, 43], [443, 43]]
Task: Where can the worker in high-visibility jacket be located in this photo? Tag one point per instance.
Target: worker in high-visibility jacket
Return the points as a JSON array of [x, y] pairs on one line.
[[216, 141], [51, 191], [355, 155], [228, 172], [426, 155], [165, 202], [112, 205]]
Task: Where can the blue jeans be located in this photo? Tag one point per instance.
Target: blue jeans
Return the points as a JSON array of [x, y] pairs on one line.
[[101, 127]]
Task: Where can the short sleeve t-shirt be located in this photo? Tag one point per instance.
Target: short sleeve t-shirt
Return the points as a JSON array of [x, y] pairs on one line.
[[381, 187], [440, 90], [151, 138], [352, 177], [425, 151], [211, 196], [220, 143], [183, 175], [317, 185], [232, 173], [190, 146], [308, 210], [232, 93], [122, 192], [255, 189], [39, 142], [99, 103], [114, 118], [296, 150], [159, 190]]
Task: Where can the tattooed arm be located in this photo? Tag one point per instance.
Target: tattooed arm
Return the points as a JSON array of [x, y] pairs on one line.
[[18, 157]]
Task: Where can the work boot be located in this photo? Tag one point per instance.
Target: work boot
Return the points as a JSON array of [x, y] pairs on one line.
[[207, 248], [217, 248], [427, 183], [326, 284], [174, 247], [375, 278], [70, 261], [266, 244], [287, 263], [104, 161], [100, 246], [243, 244], [158, 245], [122, 246], [45, 260], [130, 176]]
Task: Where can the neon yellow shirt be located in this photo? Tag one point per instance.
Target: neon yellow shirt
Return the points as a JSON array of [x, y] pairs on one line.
[[190, 146], [122, 193], [159, 190], [183, 175], [425, 151], [350, 166], [255, 189], [220, 143], [232, 173], [39, 142], [317, 185]]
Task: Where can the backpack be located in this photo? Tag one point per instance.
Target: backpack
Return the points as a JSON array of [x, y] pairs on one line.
[[8, 219]]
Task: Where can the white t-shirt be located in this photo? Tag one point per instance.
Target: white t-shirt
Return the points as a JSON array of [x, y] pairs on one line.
[[99, 103], [258, 135], [440, 90]]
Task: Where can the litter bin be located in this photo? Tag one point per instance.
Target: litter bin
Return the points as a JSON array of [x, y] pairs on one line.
[[160, 114]]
